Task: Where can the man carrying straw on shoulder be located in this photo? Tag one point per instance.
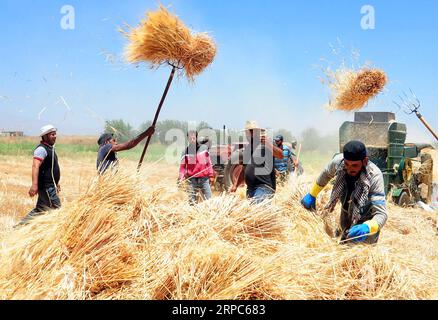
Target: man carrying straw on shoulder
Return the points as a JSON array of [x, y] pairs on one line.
[[360, 188]]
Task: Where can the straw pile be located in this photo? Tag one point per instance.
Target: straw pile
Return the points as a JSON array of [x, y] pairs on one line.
[[130, 239], [431, 165], [351, 90], [162, 38]]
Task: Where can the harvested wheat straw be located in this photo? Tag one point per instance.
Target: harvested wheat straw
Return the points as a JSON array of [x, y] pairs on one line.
[[130, 239], [351, 90], [162, 38]]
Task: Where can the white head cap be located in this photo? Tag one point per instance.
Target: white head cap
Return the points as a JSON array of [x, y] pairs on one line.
[[47, 129]]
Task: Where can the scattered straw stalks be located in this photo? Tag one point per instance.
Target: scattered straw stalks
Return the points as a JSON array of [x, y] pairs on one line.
[[131, 239], [162, 38], [351, 90]]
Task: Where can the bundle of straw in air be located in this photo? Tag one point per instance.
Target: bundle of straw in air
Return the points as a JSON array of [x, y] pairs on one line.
[[351, 90], [162, 38]]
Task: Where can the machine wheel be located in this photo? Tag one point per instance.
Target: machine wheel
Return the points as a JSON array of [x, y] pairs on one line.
[[231, 175], [230, 172], [403, 200]]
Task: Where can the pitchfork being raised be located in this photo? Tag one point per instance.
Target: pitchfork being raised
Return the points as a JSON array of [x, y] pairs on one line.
[[163, 39], [411, 105]]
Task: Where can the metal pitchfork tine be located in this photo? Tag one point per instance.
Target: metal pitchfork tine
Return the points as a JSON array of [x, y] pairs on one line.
[[411, 105]]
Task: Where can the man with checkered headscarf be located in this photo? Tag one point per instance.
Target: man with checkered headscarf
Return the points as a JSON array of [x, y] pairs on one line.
[[359, 187]]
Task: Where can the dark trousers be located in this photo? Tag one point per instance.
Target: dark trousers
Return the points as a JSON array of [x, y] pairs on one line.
[[47, 200]]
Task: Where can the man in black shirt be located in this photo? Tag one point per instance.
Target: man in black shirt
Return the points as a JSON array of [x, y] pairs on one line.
[[108, 146], [258, 165], [45, 175]]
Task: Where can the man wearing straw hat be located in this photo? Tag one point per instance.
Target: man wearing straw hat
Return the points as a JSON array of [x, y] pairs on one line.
[[360, 188], [258, 164], [45, 175], [108, 148]]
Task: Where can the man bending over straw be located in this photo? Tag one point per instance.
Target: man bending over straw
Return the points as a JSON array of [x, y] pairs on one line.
[[360, 188]]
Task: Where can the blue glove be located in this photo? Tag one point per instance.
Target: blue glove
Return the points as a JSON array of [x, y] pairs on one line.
[[357, 231], [309, 202]]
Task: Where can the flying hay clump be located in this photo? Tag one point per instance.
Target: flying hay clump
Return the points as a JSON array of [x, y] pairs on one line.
[[351, 90], [162, 38]]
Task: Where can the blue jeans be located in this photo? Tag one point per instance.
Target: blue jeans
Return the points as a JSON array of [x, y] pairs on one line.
[[47, 200], [260, 193], [199, 184]]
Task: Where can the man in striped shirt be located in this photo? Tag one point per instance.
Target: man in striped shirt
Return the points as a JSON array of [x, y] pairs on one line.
[[282, 166], [360, 189]]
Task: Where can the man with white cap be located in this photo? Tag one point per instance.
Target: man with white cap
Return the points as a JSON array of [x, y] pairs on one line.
[[258, 164], [45, 175]]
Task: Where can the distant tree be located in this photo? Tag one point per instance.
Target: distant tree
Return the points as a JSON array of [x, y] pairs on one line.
[[310, 139], [122, 130], [144, 126], [203, 125], [287, 135], [330, 143], [164, 126]]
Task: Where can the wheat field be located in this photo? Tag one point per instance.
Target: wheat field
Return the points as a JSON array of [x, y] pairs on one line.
[[134, 236]]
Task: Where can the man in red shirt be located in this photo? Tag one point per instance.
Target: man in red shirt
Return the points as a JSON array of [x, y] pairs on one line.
[[196, 167]]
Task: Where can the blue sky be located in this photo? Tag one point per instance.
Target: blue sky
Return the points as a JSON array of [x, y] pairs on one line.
[[266, 68]]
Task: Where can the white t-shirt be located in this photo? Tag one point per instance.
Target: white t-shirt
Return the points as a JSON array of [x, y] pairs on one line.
[[40, 153]]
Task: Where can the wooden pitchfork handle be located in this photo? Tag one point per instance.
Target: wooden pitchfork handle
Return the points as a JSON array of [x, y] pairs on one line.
[[157, 113], [420, 116]]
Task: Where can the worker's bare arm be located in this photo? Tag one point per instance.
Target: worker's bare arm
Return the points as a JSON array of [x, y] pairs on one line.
[[134, 142], [276, 151], [36, 164], [239, 180]]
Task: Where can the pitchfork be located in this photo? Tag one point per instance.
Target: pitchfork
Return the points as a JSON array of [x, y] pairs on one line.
[[411, 105], [160, 105]]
